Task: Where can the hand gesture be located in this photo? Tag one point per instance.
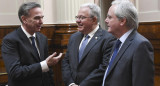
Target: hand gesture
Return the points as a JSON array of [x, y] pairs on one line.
[[53, 59]]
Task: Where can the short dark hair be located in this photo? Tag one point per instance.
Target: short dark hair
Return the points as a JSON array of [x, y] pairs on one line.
[[25, 7]]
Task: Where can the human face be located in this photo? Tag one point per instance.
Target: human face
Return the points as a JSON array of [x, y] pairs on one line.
[[112, 22], [85, 23], [34, 21]]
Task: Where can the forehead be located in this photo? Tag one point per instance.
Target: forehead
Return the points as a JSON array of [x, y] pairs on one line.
[[36, 12], [111, 10], [84, 11]]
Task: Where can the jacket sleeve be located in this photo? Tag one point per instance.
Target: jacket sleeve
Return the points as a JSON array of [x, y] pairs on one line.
[[66, 72], [143, 65]]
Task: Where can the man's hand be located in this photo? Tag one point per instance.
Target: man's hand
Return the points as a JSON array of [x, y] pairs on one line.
[[53, 59]]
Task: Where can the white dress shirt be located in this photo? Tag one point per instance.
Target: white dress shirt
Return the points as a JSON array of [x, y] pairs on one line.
[[43, 64], [91, 34]]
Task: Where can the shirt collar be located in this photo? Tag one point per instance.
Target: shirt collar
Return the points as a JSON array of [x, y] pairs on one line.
[[124, 36], [93, 32], [27, 34]]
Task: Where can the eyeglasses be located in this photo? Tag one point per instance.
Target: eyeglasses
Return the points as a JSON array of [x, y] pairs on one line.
[[81, 17]]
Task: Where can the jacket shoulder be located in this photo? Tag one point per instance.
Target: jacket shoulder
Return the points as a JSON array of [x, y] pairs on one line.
[[11, 35]]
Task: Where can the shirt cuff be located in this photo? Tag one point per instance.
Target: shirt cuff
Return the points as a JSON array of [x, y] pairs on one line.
[[44, 66], [71, 84]]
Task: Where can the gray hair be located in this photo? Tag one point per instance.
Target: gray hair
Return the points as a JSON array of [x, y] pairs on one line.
[[24, 9], [126, 9], [94, 10]]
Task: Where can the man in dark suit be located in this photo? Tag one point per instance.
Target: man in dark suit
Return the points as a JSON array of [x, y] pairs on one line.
[[88, 49], [133, 65], [25, 50]]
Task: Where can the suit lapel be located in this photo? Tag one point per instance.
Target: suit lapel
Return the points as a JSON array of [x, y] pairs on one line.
[[27, 43], [93, 41], [124, 47]]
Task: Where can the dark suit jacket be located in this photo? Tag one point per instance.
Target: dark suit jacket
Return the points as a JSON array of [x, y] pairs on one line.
[[22, 65], [134, 64], [90, 70]]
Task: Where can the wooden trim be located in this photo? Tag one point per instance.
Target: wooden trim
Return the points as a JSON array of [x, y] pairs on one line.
[[149, 23], [3, 79], [44, 25]]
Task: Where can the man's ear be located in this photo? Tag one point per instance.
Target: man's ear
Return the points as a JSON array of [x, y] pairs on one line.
[[24, 19], [123, 21], [95, 19]]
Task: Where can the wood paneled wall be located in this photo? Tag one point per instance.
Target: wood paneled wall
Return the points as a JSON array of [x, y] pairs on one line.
[[151, 30], [3, 31], [60, 42], [58, 36]]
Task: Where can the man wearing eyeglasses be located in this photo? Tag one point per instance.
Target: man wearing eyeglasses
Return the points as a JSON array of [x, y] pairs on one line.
[[88, 50]]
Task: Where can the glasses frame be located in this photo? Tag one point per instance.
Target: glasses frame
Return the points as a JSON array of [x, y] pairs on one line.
[[82, 17]]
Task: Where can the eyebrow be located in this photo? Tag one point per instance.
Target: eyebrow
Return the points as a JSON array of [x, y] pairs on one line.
[[38, 16]]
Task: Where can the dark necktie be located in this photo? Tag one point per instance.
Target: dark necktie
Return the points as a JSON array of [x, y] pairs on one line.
[[118, 43], [83, 45], [34, 46]]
